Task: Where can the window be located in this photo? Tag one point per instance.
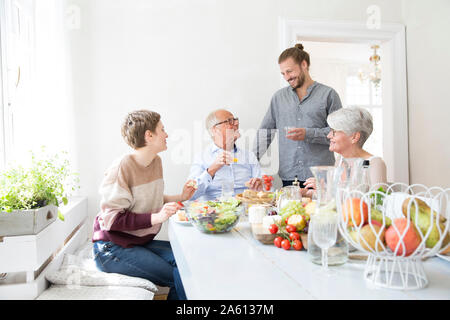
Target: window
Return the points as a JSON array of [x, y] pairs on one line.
[[365, 94], [16, 60]]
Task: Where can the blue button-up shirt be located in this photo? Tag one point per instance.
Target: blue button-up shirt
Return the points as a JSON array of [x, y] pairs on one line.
[[240, 172]]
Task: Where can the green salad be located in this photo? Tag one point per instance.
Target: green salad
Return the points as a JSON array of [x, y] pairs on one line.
[[215, 216]]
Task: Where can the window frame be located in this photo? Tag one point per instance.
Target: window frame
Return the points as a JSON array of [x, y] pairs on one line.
[[4, 102]]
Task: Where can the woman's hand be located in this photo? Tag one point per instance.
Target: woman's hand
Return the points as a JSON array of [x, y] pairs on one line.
[[310, 183], [189, 189], [309, 193], [168, 210], [309, 187]]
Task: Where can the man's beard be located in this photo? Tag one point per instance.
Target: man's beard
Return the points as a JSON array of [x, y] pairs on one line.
[[301, 81]]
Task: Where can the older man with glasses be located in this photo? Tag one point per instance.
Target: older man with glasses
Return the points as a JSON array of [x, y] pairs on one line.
[[223, 164]]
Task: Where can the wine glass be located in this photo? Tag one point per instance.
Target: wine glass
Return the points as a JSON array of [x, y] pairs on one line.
[[324, 232]]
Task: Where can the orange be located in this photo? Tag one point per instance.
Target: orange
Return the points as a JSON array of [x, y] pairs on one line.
[[358, 218]]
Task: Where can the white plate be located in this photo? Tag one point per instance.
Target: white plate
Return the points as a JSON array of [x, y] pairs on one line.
[[444, 256], [175, 219]]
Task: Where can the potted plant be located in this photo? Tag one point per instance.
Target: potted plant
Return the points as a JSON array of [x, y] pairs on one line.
[[30, 197]]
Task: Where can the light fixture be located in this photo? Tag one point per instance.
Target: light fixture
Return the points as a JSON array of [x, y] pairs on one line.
[[374, 74]]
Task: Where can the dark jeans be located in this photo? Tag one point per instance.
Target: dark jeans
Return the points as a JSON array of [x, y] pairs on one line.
[[153, 261], [289, 183]]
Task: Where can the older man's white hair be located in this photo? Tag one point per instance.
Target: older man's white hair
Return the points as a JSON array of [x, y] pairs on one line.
[[210, 121], [352, 120]]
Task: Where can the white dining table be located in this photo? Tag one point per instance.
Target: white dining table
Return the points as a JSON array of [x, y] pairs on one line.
[[235, 266]]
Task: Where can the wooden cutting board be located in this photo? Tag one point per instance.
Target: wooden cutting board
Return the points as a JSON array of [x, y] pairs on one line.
[[263, 235]]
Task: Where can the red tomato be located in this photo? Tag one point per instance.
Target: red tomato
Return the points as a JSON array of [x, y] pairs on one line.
[[285, 244], [277, 241], [297, 244], [290, 228], [273, 228], [294, 236]]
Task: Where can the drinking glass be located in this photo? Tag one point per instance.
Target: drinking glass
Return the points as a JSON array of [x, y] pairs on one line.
[[227, 189], [324, 232], [287, 129]]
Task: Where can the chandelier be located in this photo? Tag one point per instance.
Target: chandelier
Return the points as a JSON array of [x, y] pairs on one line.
[[374, 74]]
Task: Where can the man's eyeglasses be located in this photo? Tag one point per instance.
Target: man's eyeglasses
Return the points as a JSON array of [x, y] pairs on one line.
[[231, 122]]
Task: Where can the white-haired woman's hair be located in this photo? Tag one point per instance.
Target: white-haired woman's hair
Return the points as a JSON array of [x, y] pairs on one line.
[[352, 120], [210, 121]]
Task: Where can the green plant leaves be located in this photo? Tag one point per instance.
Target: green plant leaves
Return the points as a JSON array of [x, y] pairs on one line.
[[60, 215], [45, 182]]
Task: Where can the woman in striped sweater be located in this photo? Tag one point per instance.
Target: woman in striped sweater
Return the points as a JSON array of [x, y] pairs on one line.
[[133, 207]]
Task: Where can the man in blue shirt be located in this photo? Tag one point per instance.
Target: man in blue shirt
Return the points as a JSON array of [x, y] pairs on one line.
[[223, 164]]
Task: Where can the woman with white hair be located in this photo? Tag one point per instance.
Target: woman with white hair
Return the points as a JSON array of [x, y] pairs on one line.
[[350, 129]]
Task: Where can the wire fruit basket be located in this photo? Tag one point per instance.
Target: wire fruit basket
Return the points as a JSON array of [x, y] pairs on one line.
[[398, 225]]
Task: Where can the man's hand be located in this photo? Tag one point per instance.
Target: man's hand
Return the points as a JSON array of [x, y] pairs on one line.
[[296, 134], [224, 158], [166, 212], [254, 184], [189, 189]]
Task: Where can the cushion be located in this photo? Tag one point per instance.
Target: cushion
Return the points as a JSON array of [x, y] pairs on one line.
[[61, 292], [79, 269]]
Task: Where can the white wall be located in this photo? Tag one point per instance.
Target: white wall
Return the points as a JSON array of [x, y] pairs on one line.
[[428, 85], [182, 59]]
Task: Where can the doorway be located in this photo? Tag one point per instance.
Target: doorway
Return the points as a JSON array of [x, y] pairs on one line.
[[340, 53]]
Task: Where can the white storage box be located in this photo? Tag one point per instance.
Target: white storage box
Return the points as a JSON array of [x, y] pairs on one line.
[[26, 222]]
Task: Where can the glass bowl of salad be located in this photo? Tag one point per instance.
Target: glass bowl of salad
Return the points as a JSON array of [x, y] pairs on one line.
[[214, 216]]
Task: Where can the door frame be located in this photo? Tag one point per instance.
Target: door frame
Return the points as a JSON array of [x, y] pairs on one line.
[[395, 99]]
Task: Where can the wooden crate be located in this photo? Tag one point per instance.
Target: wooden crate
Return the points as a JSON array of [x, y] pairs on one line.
[[27, 222]]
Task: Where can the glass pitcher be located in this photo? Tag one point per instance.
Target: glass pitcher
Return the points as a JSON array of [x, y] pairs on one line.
[[327, 180], [352, 172], [289, 194]]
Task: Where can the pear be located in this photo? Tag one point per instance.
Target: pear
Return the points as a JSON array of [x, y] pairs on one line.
[[367, 238], [422, 207], [446, 241], [425, 221], [377, 215]]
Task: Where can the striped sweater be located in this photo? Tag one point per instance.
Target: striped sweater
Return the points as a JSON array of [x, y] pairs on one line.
[[130, 194]]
